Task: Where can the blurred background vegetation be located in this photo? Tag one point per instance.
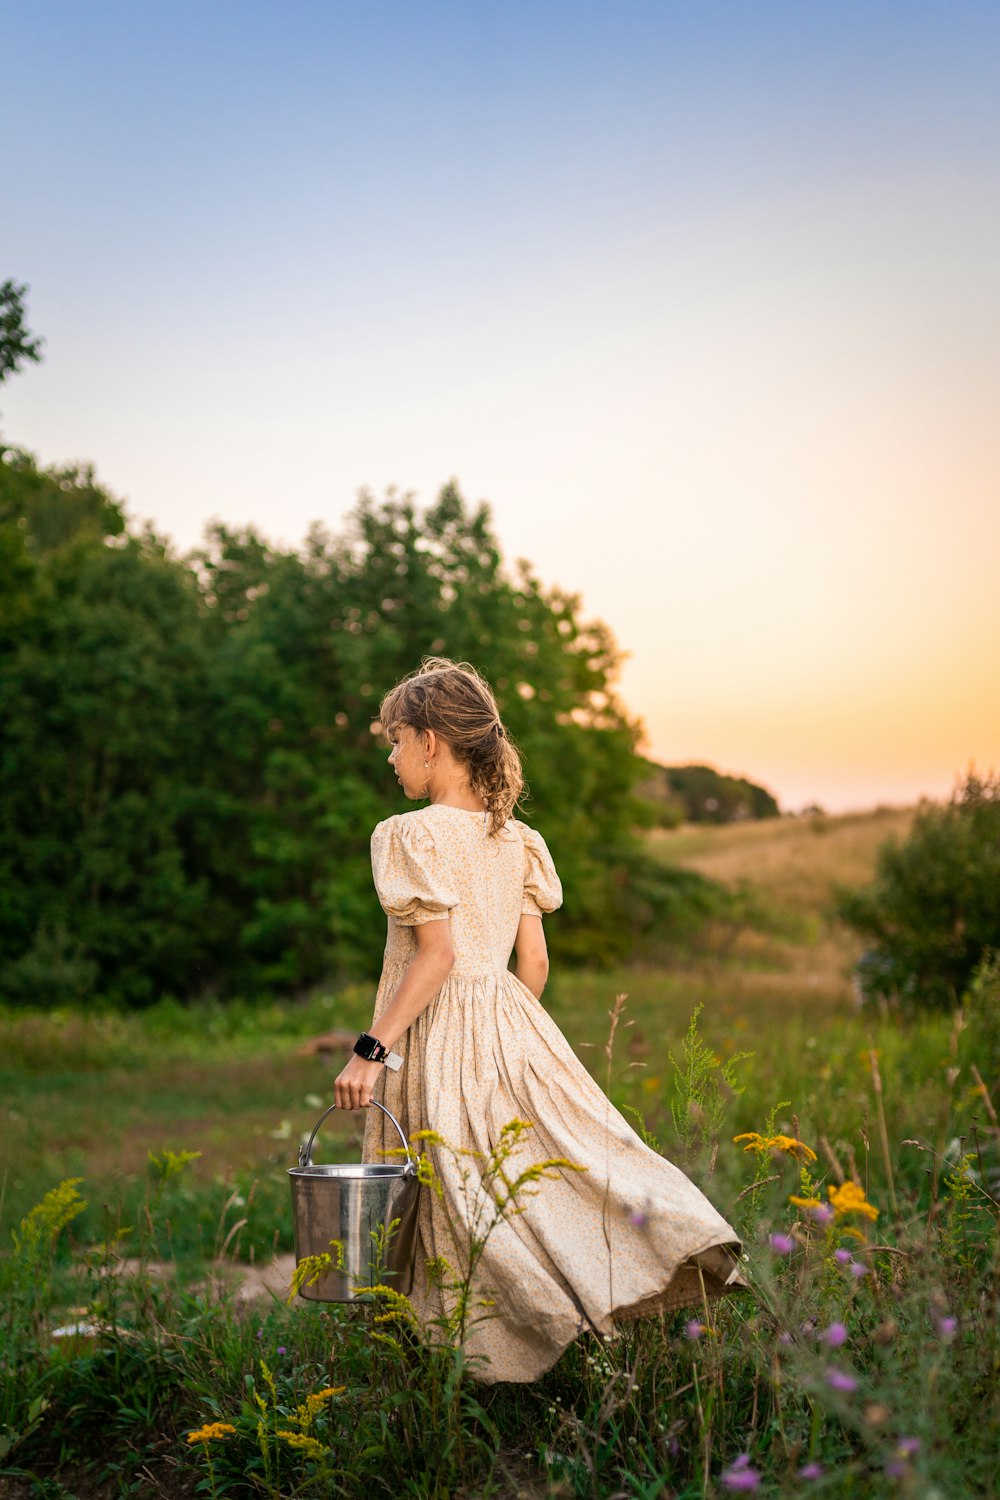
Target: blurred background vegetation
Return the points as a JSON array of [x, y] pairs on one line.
[[192, 763]]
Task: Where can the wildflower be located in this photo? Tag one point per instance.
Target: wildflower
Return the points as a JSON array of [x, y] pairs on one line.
[[767, 1143], [782, 1244], [849, 1198], [694, 1330], [281, 1349], [310, 1446], [858, 1270], [307, 1413], [840, 1380], [835, 1335], [210, 1431], [844, 1256], [813, 1208], [811, 1471], [740, 1476], [946, 1327], [784, 1337], [907, 1447]]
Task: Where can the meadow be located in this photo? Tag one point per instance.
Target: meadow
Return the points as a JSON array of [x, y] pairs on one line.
[[863, 1361]]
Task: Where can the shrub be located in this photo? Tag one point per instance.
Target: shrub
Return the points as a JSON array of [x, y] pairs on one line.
[[933, 909]]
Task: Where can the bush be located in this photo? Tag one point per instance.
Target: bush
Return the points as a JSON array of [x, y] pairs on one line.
[[933, 909]]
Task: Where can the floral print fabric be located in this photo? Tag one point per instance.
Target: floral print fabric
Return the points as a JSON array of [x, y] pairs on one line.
[[631, 1234]]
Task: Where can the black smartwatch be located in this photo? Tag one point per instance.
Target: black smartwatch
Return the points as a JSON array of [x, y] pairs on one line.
[[370, 1048]]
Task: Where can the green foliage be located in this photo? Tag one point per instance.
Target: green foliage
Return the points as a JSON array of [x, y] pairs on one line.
[[26, 1297], [189, 769], [708, 796], [16, 344], [703, 1086], [981, 1046], [933, 909], [868, 1345]]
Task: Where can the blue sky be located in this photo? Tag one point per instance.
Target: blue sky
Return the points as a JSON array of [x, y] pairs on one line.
[[702, 299]]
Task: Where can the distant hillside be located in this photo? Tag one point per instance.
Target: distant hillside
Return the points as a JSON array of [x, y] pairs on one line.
[[700, 794]]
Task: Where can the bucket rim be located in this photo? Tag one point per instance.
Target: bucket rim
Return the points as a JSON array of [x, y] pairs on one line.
[[356, 1170]]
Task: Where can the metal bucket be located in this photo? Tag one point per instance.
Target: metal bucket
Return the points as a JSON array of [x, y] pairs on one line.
[[351, 1204]]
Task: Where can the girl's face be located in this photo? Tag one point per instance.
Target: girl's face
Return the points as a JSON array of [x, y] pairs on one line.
[[407, 760]]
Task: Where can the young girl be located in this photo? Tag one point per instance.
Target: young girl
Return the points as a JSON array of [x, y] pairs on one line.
[[463, 883]]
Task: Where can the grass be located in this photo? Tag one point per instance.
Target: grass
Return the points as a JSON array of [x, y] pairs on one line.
[[660, 1412]]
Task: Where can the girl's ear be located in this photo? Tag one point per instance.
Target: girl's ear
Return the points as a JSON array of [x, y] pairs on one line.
[[429, 743]]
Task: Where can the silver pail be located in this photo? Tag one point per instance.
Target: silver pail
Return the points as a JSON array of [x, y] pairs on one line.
[[354, 1204]]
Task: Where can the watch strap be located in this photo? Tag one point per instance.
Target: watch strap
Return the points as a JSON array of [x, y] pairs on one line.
[[370, 1048]]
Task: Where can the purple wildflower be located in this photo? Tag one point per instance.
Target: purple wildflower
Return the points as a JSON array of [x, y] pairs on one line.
[[895, 1469], [946, 1327], [811, 1471], [740, 1476], [694, 1329], [858, 1270], [821, 1213], [282, 1349], [784, 1337], [782, 1244], [844, 1256], [906, 1447], [835, 1335], [840, 1380]]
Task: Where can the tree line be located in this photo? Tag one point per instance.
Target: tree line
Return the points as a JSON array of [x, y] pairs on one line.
[[190, 756]]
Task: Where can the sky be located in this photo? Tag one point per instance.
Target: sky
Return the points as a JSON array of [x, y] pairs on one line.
[[702, 300]]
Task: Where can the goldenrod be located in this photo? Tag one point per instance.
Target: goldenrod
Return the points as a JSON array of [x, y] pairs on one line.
[[210, 1431], [787, 1143], [310, 1446], [849, 1198]]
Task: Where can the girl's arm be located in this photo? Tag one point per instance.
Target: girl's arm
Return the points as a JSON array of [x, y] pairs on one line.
[[425, 974], [532, 955]]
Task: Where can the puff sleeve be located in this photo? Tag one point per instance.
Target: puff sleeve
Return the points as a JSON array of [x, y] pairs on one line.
[[410, 878], [542, 886]]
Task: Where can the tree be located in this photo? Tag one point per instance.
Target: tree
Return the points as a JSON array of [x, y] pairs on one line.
[[16, 343], [190, 759], [933, 909]]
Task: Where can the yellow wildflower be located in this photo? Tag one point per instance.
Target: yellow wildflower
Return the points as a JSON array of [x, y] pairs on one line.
[[210, 1431], [310, 1446], [849, 1198], [314, 1404], [787, 1143], [805, 1202]]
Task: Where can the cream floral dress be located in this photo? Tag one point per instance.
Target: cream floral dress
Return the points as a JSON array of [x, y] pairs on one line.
[[631, 1234]]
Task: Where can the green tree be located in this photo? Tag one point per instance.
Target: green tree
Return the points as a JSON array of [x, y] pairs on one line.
[[101, 701], [16, 343], [933, 909], [710, 797], [190, 760]]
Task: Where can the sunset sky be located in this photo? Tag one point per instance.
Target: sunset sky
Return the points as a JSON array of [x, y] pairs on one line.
[[704, 300]]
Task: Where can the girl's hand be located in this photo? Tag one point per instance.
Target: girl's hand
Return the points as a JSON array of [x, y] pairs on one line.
[[353, 1087]]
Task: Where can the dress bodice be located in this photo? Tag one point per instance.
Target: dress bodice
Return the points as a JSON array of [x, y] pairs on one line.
[[442, 861]]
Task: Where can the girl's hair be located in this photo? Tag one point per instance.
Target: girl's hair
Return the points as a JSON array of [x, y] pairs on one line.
[[452, 699]]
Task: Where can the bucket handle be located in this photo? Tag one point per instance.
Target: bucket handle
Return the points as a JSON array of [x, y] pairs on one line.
[[305, 1152]]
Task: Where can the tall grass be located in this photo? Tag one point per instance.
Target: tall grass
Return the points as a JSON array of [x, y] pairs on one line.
[[863, 1361]]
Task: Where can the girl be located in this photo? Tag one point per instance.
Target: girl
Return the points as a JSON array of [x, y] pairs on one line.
[[468, 1047]]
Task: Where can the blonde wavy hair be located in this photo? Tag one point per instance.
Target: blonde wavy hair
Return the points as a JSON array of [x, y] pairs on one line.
[[458, 704]]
